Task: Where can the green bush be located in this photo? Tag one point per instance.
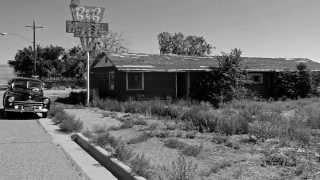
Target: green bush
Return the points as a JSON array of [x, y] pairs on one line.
[[98, 129], [180, 169], [123, 152], [232, 122], [141, 166], [140, 121], [263, 129], [141, 107], [105, 138], [273, 125], [70, 124], [158, 108], [57, 114], [141, 138], [191, 150], [202, 120], [107, 104], [74, 98], [126, 124], [175, 144], [313, 118]]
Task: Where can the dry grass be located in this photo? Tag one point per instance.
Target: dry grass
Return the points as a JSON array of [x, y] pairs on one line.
[[180, 169], [288, 123]]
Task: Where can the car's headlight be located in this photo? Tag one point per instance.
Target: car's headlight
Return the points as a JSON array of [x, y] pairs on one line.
[[46, 101], [11, 99]]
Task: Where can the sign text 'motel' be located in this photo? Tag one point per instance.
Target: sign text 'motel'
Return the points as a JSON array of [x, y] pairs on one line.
[[85, 29]]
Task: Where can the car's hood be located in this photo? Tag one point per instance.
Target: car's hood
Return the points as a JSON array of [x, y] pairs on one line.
[[25, 94]]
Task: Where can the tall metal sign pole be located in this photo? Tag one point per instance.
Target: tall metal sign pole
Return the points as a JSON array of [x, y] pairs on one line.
[[86, 24], [34, 27]]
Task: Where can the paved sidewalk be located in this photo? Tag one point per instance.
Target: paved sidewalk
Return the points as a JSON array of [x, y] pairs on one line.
[[26, 152]]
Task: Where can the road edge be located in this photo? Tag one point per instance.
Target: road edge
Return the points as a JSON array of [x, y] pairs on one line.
[[118, 168], [89, 168]]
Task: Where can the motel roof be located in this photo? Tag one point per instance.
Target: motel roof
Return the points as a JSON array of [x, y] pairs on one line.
[[176, 63]]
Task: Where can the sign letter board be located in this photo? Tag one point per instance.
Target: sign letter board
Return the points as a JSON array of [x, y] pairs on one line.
[[86, 29]]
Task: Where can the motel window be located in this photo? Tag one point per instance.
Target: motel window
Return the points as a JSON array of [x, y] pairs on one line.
[[256, 78], [135, 80], [111, 80]]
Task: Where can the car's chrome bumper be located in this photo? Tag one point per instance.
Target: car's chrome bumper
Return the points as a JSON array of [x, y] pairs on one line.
[[31, 111], [22, 106], [22, 109]]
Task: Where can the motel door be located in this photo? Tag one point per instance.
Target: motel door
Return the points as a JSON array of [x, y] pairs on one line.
[[182, 84]]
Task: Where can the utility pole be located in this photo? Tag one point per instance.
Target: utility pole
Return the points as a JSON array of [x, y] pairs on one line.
[[34, 27]]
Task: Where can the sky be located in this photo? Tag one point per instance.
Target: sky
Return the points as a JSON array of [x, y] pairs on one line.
[[260, 28]]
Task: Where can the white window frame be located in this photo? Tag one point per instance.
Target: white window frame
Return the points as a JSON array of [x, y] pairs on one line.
[[111, 86], [127, 83], [251, 75]]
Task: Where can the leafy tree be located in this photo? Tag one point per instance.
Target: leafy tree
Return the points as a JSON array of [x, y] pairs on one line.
[[196, 46], [109, 43], [47, 64], [23, 62], [179, 44], [165, 42], [55, 61], [223, 83], [75, 63]]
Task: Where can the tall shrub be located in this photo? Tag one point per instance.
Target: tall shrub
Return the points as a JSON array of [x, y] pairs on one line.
[[303, 84], [223, 83], [294, 84]]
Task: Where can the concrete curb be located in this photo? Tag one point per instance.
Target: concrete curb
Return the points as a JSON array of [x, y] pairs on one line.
[[116, 167], [84, 163]]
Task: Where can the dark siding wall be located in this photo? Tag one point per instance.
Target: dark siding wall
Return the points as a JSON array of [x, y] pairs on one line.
[[266, 88], [263, 90], [161, 84], [99, 81], [156, 84]]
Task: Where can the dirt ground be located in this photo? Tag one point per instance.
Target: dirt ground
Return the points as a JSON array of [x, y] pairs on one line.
[[219, 158]]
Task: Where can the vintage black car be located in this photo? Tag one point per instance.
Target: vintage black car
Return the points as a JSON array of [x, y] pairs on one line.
[[26, 95]]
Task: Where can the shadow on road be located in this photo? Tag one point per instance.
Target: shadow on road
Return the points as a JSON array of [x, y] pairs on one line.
[[17, 116]]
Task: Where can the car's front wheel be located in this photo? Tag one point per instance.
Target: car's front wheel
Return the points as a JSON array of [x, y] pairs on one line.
[[6, 114], [44, 115]]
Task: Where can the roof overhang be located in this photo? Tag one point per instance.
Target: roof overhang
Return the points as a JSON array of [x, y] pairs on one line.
[[161, 70]]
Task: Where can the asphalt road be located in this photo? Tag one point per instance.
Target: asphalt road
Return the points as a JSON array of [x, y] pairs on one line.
[[26, 152]]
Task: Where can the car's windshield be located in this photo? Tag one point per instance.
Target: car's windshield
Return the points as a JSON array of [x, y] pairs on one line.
[[24, 84], [34, 84], [20, 84]]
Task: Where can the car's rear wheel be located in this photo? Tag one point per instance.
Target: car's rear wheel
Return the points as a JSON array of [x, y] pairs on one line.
[[44, 115]]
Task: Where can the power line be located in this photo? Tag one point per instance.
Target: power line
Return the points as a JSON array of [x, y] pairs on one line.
[[34, 28]]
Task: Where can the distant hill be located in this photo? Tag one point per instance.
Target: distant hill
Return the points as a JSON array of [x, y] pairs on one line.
[[6, 73]]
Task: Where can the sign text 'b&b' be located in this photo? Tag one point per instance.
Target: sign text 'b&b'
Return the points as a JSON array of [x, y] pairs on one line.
[[87, 14]]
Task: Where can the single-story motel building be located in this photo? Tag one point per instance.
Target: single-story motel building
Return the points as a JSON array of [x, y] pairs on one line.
[[144, 76]]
